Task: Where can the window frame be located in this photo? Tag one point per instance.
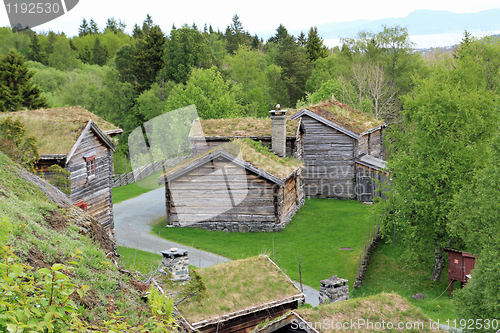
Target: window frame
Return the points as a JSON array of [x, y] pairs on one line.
[[90, 167]]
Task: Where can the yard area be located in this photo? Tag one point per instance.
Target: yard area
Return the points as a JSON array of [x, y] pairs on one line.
[[122, 193], [316, 233], [387, 274]]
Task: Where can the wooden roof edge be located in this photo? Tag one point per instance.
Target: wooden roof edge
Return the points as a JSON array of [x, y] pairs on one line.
[[220, 153], [52, 157], [326, 122], [373, 129], [248, 310], [465, 254], [369, 165], [222, 137], [309, 328], [113, 132], [97, 131]]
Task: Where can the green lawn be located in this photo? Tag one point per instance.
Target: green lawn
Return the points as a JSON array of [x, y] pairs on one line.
[[386, 273], [316, 232], [138, 260], [130, 191]]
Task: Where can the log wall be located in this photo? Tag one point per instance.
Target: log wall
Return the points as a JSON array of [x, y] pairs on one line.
[[95, 192], [372, 144], [328, 157], [220, 195]]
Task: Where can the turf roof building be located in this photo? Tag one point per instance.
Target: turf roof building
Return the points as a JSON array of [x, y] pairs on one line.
[[80, 142]]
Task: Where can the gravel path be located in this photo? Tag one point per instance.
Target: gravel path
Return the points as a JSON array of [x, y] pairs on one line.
[[132, 218]]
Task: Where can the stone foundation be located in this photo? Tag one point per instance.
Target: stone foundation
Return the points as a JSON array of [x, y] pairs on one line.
[[333, 290]]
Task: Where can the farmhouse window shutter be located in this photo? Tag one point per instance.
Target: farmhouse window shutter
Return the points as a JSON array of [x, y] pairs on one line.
[[81, 204]]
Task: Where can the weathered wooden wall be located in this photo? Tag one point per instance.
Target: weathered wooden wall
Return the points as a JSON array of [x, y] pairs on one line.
[[200, 146], [328, 157], [96, 192], [371, 143], [200, 193], [366, 183]]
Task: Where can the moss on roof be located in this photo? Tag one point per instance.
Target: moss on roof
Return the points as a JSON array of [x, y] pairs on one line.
[[342, 114], [58, 129], [252, 152], [238, 127], [238, 285], [387, 307]]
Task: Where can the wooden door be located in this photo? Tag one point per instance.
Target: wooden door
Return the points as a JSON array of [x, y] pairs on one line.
[[456, 266]]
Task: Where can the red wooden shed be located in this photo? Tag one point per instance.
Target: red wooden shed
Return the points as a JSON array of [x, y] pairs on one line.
[[460, 265]]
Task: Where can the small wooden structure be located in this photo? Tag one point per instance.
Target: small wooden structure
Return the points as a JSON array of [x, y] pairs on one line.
[[371, 142], [219, 191], [460, 265], [370, 171], [71, 138]]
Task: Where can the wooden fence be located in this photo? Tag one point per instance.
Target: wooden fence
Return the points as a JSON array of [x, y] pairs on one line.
[[369, 244], [145, 171]]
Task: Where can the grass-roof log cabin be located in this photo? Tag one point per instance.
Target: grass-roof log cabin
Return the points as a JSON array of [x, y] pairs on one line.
[[80, 142], [242, 294], [236, 186]]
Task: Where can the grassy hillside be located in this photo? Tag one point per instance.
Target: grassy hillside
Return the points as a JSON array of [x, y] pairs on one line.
[[376, 313], [43, 234]]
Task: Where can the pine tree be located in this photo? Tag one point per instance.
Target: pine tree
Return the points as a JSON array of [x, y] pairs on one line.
[[281, 34], [302, 40], [235, 35], [99, 53], [36, 52], [147, 25], [314, 46], [148, 58], [137, 32], [86, 56], [94, 29], [17, 91], [84, 28]]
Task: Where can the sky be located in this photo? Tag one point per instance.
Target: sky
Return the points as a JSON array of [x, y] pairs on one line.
[[257, 16]]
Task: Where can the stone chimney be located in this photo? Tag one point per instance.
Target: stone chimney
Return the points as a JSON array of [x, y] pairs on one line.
[[177, 262], [278, 131]]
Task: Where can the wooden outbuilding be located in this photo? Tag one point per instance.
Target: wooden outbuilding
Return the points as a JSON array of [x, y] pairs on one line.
[[460, 266], [371, 142], [80, 142], [370, 172], [234, 187]]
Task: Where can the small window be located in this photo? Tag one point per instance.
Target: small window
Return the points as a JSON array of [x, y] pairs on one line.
[[90, 167]]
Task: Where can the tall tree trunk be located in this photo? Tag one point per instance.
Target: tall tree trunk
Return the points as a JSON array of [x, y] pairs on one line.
[[438, 263]]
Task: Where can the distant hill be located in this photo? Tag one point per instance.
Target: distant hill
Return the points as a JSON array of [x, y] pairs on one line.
[[418, 22]]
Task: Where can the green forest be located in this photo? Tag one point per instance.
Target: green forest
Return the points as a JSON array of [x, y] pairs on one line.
[[442, 109]]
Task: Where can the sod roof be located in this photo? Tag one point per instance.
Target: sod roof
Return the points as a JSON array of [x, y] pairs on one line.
[[239, 127], [387, 307], [354, 120], [249, 151], [58, 129], [239, 285]]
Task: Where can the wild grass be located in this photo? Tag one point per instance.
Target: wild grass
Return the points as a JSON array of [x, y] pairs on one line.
[[122, 193], [386, 273], [58, 129], [316, 233], [139, 260], [383, 307], [253, 153], [38, 244], [237, 285], [235, 127], [343, 115]]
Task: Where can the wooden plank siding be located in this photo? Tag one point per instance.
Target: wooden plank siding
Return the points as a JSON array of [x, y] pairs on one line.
[[367, 179], [371, 143], [95, 192], [328, 157]]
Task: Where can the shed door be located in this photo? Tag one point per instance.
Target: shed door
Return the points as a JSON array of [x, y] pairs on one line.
[[456, 266], [469, 265], [365, 185]]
